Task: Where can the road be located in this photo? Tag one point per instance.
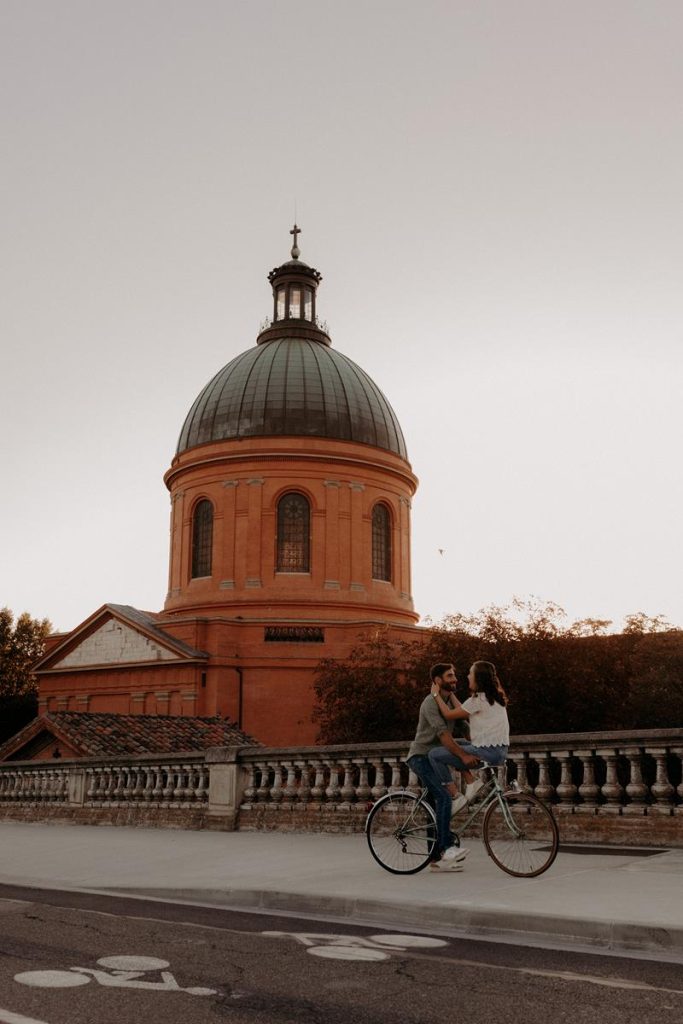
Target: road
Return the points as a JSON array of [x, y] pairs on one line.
[[79, 958]]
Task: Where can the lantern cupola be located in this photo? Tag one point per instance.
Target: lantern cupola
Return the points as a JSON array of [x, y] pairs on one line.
[[295, 285]]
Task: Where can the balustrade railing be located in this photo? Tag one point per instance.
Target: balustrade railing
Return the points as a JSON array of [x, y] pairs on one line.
[[587, 773], [624, 775]]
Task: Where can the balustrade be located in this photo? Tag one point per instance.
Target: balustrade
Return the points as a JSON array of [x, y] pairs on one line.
[[627, 775]]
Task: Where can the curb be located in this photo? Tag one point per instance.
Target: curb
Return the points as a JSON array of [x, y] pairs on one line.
[[494, 925]]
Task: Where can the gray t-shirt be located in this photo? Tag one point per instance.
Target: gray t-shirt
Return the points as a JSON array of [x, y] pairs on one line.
[[430, 725]]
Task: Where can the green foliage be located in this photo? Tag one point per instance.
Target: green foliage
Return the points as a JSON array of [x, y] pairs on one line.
[[559, 677], [21, 644]]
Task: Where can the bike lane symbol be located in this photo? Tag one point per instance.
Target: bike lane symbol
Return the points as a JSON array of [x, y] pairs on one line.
[[355, 947], [119, 972]]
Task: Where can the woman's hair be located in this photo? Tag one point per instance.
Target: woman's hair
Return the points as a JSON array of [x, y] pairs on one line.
[[487, 682]]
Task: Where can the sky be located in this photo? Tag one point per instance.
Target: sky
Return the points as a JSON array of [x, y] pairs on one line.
[[492, 193]]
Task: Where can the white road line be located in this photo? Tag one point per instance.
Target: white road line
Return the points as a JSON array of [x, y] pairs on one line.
[[7, 1017]]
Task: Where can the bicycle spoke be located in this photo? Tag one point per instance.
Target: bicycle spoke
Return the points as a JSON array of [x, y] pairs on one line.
[[520, 834], [401, 832]]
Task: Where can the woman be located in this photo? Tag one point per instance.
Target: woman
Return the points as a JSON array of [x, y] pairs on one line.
[[485, 710]]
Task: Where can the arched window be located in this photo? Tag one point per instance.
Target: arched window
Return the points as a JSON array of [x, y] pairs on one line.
[[381, 543], [202, 538], [293, 534]]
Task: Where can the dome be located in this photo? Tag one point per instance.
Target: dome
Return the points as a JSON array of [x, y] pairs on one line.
[[290, 384]]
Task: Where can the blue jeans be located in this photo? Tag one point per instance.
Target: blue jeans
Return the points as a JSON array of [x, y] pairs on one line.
[[440, 800], [440, 759]]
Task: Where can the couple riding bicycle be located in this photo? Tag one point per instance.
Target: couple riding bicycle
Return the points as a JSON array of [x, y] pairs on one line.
[[434, 750]]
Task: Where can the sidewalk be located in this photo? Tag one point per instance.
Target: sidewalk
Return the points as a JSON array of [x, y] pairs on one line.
[[617, 901]]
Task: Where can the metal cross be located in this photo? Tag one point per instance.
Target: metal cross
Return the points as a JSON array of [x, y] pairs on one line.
[[295, 248]]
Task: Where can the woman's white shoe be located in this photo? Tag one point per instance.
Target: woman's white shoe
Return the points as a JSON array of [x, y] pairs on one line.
[[471, 790]]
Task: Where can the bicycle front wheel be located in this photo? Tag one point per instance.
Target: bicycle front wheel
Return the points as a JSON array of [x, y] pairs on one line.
[[401, 833], [520, 834]]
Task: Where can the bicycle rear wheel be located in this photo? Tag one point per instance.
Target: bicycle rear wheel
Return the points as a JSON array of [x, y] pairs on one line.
[[401, 833], [521, 838]]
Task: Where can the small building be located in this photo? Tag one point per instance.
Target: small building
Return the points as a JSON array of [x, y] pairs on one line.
[[290, 495]]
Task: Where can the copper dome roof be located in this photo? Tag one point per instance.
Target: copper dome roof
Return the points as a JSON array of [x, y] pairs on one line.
[[292, 385]]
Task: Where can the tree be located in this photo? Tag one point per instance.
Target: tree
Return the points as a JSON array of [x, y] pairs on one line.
[[560, 677], [21, 644]]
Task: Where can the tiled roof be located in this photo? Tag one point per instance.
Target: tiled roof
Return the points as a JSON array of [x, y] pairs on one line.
[[93, 734]]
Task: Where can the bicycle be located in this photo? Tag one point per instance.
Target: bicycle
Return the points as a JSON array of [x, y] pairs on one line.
[[519, 831]]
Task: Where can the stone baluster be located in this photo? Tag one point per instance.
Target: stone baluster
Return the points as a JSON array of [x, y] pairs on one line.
[[276, 790], [396, 765], [661, 789], [158, 790], [678, 751], [520, 761], [119, 790], [44, 786], [128, 781], [636, 789], [414, 784], [544, 790], [59, 784], [589, 791], [291, 790], [180, 785], [333, 791], [16, 789], [379, 789], [363, 791], [566, 790], [263, 791], [169, 784], [188, 789], [90, 784], [612, 789], [201, 791], [111, 783], [30, 786], [148, 790], [348, 789], [186, 794], [139, 787], [318, 791], [304, 793], [249, 795]]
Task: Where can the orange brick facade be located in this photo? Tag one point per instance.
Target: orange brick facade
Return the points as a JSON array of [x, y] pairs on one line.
[[249, 637]]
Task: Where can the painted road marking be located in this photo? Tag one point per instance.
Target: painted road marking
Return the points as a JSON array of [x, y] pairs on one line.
[[7, 1017], [355, 947], [50, 979], [347, 953], [124, 972]]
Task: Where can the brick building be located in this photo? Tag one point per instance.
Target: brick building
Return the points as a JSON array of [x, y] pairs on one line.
[[290, 537]]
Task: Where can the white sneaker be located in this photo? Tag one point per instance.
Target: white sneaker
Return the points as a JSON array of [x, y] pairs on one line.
[[446, 865], [471, 790], [458, 804], [455, 854]]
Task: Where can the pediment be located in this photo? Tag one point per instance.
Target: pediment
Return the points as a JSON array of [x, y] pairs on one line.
[[114, 643]]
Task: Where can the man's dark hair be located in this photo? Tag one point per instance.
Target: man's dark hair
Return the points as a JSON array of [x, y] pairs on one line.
[[438, 670]]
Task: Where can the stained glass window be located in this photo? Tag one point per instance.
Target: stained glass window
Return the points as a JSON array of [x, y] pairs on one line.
[[202, 539], [293, 534], [381, 543]]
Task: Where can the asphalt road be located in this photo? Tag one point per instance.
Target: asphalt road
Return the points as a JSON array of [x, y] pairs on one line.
[[75, 958]]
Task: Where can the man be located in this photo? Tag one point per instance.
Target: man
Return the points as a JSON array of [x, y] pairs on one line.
[[433, 731]]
